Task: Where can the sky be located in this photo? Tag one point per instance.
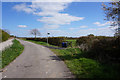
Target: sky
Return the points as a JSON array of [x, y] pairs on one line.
[[71, 19]]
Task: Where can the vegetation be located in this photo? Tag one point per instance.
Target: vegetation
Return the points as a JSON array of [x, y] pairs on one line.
[[56, 41], [112, 12], [91, 56], [71, 42], [83, 67], [41, 43], [3, 35], [9, 54], [100, 48]]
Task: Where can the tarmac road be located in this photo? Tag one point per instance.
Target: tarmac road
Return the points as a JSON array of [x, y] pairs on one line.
[[36, 61]]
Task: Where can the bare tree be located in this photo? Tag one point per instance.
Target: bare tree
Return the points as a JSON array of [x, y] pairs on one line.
[[112, 12], [35, 32]]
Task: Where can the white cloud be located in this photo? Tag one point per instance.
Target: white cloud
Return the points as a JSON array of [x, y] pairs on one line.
[[99, 24], [22, 26], [60, 19], [106, 31], [73, 28], [23, 7], [51, 26], [49, 6], [58, 0], [83, 26], [50, 12]]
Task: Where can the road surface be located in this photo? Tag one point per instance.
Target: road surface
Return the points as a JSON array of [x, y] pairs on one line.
[[36, 61]]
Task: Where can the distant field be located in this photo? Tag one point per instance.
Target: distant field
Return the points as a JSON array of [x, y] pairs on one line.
[[73, 42]]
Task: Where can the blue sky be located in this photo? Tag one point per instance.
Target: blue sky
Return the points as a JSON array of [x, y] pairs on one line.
[[72, 19]]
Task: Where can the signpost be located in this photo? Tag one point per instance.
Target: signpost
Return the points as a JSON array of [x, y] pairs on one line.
[[47, 37]]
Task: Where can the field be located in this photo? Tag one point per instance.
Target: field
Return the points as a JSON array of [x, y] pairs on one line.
[[73, 42], [9, 54]]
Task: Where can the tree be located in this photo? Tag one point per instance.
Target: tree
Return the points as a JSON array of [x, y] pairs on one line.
[[112, 12], [91, 35], [35, 32]]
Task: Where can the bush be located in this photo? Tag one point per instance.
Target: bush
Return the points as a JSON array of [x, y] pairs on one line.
[[57, 41], [85, 42], [4, 35], [101, 48], [105, 50]]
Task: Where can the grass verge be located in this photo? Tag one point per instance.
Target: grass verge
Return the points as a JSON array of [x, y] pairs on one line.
[[9, 54], [83, 67]]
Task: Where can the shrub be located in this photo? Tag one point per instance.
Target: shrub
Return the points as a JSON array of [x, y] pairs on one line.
[[85, 42], [57, 41], [106, 50], [101, 48], [4, 35]]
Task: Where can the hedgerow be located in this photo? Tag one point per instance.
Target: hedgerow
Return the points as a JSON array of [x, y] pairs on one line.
[[57, 41], [103, 49]]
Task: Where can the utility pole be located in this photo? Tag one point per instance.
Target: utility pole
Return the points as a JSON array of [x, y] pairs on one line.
[[47, 37]]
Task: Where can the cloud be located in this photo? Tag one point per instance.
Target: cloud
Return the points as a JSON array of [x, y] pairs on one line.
[[22, 26], [104, 24], [73, 28], [58, 0], [23, 7], [51, 26], [60, 19], [50, 12], [106, 31], [83, 26]]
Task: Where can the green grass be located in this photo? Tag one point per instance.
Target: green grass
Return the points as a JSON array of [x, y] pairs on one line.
[[73, 42], [83, 67], [9, 54]]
